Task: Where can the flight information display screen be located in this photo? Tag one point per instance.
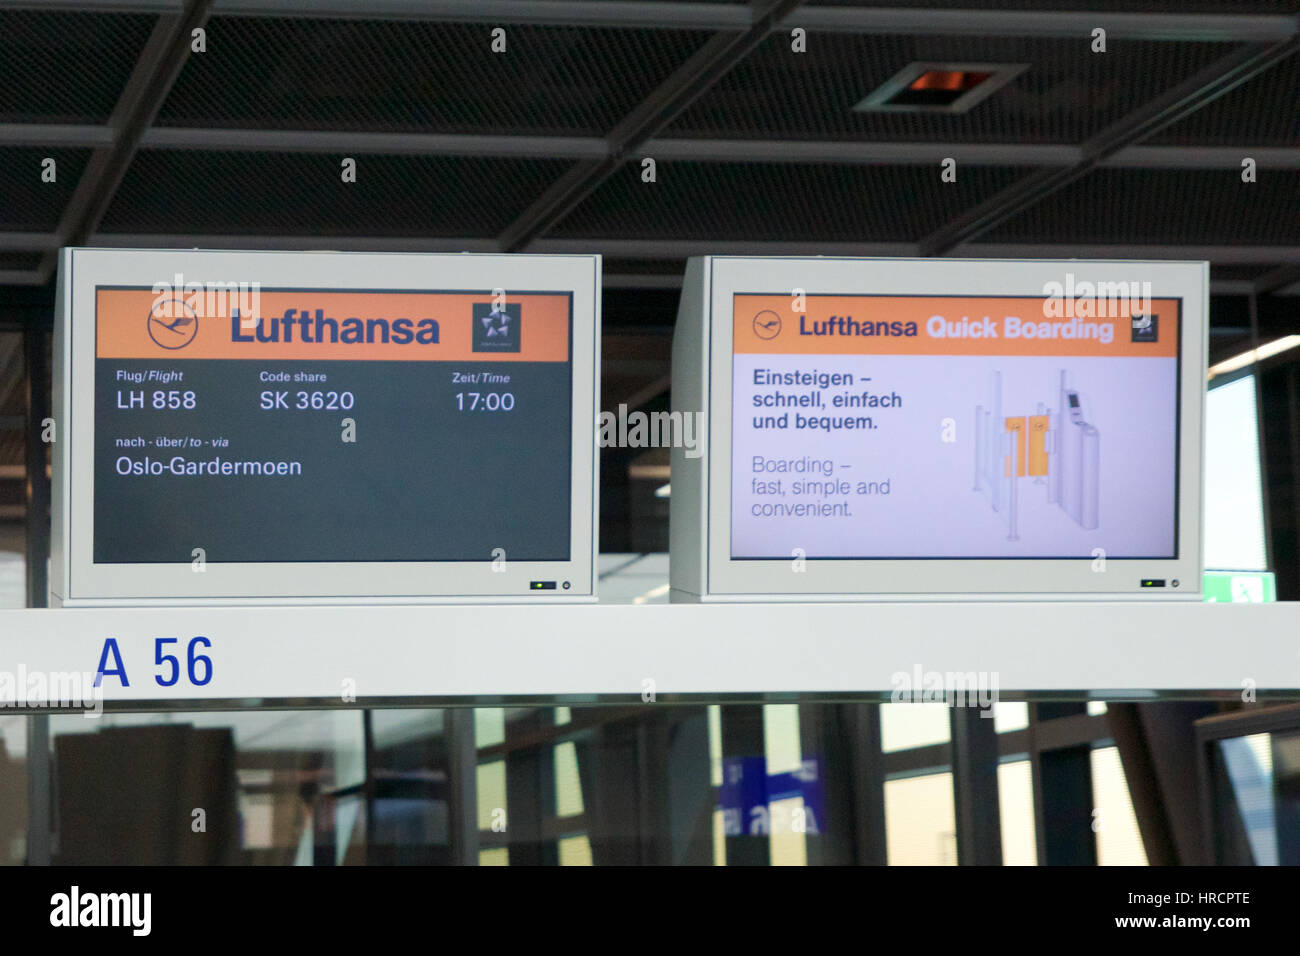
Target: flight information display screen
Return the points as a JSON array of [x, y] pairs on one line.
[[912, 427], [330, 426]]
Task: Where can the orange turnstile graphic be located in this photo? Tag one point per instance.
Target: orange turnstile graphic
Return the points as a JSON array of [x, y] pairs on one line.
[[1059, 450]]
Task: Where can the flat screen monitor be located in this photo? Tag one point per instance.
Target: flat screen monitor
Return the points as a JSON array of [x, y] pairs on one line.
[[909, 429], [302, 427]]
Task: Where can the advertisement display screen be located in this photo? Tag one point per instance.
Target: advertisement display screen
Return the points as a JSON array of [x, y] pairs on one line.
[[324, 427], [912, 427], [949, 429], [216, 428]]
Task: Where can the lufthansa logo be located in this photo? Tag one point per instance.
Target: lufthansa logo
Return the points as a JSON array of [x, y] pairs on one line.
[[767, 324], [173, 324]]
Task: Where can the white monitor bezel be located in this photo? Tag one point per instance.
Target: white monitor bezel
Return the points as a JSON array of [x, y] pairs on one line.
[[894, 579], [77, 579]]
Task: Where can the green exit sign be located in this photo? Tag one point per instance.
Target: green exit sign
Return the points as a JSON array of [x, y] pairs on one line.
[[1248, 587]]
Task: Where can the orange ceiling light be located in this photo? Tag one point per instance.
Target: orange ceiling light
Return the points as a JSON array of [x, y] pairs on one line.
[[940, 87], [954, 81]]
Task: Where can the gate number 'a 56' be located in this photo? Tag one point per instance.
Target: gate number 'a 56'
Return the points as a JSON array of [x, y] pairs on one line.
[[198, 666]]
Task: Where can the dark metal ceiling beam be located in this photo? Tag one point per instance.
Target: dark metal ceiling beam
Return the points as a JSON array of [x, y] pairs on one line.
[[1202, 157], [1218, 254], [155, 71], [95, 6], [1284, 256], [631, 14], [855, 152], [1232, 287], [303, 243], [1205, 86], [689, 81], [55, 134], [28, 241], [626, 280], [682, 248], [633, 280], [347, 143], [971, 154], [1279, 280], [213, 139], [1071, 24]]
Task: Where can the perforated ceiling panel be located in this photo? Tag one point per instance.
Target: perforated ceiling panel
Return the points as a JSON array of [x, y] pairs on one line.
[[762, 201], [1264, 111], [811, 96], [66, 67], [1164, 206], [299, 194], [427, 77], [19, 261], [1238, 271], [28, 203]]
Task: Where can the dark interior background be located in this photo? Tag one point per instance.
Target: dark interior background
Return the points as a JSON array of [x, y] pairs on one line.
[[1132, 153]]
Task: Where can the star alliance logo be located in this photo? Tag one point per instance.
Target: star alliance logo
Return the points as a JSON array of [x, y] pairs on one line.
[[1146, 328], [496, 330]]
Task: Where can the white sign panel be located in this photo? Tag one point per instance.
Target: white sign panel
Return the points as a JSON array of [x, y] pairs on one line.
[[955, 428], [298, 427]]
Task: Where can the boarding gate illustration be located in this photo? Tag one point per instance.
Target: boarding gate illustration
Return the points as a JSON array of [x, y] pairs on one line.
[[1058, 449]]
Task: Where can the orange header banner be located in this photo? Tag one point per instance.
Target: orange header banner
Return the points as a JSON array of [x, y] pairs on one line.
[[240, 323], [955, 325]]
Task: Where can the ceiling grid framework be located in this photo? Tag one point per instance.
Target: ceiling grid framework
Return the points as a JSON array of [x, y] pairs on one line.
[[1131, 153], [539, 147]]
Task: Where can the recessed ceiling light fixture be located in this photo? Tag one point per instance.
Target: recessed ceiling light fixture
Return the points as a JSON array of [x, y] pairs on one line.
[[940, 87]]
